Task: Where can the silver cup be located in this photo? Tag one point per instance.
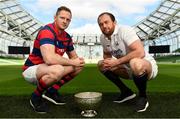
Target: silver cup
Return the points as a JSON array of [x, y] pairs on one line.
[[88, 102]]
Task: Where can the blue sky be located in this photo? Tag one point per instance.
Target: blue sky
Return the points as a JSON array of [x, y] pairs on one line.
[[85, 12]]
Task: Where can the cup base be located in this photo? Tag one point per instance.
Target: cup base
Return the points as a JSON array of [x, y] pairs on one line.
[[89, 113]]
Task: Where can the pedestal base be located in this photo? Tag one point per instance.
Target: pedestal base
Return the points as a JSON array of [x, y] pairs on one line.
[[89, 113]]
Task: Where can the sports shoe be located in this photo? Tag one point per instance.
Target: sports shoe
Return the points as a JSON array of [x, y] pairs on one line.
[[54, 98], [142, 104], [38, 105], [125, 97]]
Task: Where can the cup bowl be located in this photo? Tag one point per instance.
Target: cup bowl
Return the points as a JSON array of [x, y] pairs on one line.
[[88, 102]]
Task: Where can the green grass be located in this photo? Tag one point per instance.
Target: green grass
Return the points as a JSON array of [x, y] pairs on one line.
[[163, 93], [170, 58]]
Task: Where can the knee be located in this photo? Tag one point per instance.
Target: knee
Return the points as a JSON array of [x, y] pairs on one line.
[[136, 65], [79, 69], [76, 71], [56, 72], [100, 65]]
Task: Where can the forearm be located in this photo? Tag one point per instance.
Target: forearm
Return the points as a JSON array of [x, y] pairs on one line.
[[57, 59], [129, 56], [72, 55], [50, 57]]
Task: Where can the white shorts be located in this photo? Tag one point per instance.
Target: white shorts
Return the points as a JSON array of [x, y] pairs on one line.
[[154, 67], [30, 74], [153, 64]]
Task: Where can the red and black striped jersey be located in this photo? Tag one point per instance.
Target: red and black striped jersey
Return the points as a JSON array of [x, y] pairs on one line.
[[49, 35]]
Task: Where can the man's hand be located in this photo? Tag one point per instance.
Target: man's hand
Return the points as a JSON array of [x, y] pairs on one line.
[[109, 63], [78, 62]]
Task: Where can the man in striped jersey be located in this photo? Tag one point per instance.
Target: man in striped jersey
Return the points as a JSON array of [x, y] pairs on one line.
[[46, 67]]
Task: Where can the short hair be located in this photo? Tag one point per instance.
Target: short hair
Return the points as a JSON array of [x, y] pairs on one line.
[[109, 14], [63, 8]]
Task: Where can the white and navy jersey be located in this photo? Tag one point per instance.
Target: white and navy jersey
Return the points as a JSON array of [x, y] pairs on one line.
[[120, 40], [122, 37]]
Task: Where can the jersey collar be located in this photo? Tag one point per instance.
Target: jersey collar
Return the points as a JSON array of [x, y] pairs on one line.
[[57, 31], [115, 30]]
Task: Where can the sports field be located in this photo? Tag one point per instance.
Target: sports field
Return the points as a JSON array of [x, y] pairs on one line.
[[163, 93]]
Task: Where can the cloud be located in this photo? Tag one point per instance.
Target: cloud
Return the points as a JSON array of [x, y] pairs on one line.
[[87, 29], [91, 9], [86, 12], [125, 8]]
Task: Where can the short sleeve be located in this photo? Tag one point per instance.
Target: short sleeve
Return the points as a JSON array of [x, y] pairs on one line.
[[70, 46], [103, 43], [128, 35], [45, 36]]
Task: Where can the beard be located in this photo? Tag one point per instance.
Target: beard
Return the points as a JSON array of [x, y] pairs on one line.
[[108, 32]]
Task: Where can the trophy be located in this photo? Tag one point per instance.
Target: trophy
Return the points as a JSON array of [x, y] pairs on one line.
[[88, 102]]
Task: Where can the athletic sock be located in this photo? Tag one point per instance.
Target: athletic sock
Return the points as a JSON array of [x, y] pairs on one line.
[[60, 83], [117, 81], [141, 82], [41, 87]]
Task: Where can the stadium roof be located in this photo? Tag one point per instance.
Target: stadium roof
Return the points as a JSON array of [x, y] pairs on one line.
[[18, 22], [164, 20]]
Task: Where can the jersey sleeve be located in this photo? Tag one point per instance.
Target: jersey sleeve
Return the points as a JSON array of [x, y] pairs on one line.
[[46, 37], [103, 43], [129, 35], [70, 46]]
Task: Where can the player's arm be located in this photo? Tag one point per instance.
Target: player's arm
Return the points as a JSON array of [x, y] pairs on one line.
[[47, 49], [136, 51], [50, 57], [72, 54]]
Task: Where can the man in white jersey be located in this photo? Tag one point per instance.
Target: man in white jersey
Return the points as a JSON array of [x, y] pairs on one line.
[[124, 57]]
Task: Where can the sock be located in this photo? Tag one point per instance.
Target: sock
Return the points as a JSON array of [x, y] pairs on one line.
[[60, 83], [41, 87], [117, 81], [141, 82]]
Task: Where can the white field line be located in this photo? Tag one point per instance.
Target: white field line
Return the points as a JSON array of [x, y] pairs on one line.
[[9, 62]]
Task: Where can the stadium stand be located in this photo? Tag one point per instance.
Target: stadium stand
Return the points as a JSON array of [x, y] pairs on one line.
[[19, 28]]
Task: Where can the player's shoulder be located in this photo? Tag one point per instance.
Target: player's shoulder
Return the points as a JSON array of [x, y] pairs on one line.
[[47, 28], [68, 35], [46, 31], [125, 30]]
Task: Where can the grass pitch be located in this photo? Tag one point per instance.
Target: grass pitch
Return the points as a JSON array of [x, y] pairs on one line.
[[163, 93]]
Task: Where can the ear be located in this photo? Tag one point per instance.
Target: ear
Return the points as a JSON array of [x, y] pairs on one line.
[[55, 17], [115, 22]]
